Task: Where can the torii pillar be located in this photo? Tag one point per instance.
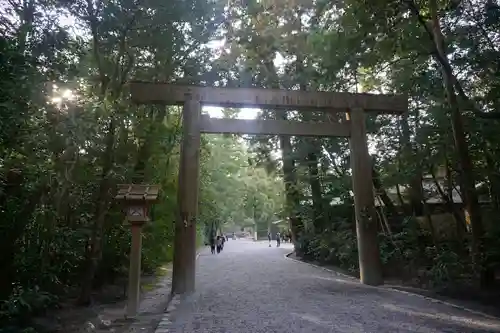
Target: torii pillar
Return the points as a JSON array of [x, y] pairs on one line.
[[183, 273]]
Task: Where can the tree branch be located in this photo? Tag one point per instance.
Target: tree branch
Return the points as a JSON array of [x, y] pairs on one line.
[[446, 65]]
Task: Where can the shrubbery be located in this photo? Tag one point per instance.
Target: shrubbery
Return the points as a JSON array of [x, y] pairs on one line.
[[410, 255]]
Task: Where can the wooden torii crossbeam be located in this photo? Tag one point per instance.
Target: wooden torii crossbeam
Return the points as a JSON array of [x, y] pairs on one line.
[[194, 123], [273, 127], [172, 94]]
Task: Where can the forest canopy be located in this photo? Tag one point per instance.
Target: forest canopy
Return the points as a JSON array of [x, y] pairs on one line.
[[69, 134]]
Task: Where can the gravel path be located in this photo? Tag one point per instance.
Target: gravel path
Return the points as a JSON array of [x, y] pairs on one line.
[[250, 287]]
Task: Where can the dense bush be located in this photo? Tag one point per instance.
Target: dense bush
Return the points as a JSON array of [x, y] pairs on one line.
[[411, 255]]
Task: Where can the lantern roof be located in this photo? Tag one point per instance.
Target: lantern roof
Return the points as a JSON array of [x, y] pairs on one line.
[[136, 192]]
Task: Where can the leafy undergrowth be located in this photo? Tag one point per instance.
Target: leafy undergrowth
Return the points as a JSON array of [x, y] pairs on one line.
[[33, 309], [105, 314], [410, 258]]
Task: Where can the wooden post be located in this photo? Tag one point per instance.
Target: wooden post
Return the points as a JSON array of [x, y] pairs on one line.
[[370, 266], [134, 274], [137, 200], [183, 274]]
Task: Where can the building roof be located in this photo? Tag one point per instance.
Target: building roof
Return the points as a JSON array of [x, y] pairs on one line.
[[431, 194]]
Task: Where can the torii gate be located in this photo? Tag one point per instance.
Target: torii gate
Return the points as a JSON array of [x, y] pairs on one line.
[[193, 97]]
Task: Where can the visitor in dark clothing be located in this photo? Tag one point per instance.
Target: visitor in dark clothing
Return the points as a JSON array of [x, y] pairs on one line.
[[219, 244], [278, 239], [212, 245]]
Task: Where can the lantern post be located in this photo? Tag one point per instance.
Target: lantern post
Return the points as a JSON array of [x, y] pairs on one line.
[[137, 200]]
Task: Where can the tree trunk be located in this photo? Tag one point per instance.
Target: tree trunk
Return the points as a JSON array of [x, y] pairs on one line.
[[26, 18], [291, 191], [442, 59], [448, 199], [461, 146], [317, 196], [400, 197], [94, 249], [415, 185], [432, 230], [312, 151], [12, 234], [494, 180], [144, 151], [449, 178]]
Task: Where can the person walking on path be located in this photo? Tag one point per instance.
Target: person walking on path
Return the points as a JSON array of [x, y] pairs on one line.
[[223, 241], [219, 242], [212, 244], [278, 239], [269, 237]]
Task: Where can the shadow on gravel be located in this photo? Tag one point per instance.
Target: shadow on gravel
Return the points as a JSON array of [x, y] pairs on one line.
[[262, 292], [392, 311], [460, 298], [457, 323]]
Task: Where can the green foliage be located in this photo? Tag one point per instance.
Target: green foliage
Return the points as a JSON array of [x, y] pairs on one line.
[[62, 154], [408, 254], [23, 303], [69, 135], [363, 46], [235, 193]]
